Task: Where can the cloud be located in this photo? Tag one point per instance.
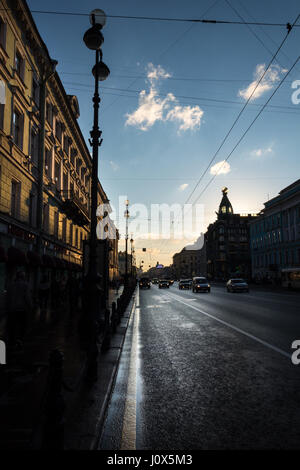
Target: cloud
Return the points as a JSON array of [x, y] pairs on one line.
[[152, 108], [220, 168], [261, 152], [189, 117], [114, 166], [155, 73], [271, 77], [183, 186]]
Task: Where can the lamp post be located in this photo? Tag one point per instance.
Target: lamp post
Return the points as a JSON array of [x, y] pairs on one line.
[[93, 39], [131, 256], [126, 215]]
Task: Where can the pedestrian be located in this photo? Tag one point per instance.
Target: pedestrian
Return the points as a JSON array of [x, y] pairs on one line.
[[19, 306]]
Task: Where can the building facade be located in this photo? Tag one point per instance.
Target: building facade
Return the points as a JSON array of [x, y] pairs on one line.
[[228, 243], [189, 263], [275, 236], [45, 164]]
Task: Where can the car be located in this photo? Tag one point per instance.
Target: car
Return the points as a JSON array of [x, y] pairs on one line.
[[144, 283], [155, 281], [237, 285], [163, 283], [184, 284], [171, 282], [200, 284]]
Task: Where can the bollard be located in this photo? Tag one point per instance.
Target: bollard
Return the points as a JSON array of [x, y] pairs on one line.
[[53, 437]]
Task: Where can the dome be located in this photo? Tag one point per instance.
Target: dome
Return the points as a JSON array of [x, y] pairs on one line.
[[225, 207]]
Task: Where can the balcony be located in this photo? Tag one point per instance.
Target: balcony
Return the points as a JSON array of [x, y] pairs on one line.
[[74, 208]]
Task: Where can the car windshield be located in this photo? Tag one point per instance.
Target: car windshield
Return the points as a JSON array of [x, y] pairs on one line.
[[238, 281], [201, 280]]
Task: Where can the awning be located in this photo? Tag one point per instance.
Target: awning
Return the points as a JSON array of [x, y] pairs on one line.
[[16, 257], [34, 258], [3, 255]]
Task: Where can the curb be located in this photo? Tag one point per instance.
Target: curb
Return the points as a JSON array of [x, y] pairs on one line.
[[102, 414]]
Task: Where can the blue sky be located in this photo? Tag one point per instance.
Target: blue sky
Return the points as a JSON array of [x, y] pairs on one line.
[[157, 144]]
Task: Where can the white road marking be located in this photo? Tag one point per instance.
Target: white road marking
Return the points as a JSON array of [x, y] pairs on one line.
[[128, 441], [229, 325]]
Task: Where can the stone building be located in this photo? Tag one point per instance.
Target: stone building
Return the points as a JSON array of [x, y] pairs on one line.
[[275, 237], [45, 164], [189, 263], [228, 243]]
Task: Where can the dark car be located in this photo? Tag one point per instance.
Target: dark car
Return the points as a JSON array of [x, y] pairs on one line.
[[237, 285], [144, 283], [200, 284], [163, 284], [184, 284], [171, 282]]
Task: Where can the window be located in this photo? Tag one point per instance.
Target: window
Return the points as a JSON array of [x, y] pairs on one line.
[[32, 210], [65, 181], [56, 224], [49, 113], [34, 146], [2, 34], [18, 128], [71, 234], [64, 230], [46, 217], [15, 198], [35, 91], [57, 174], [19, 65], [66, 145], [76, 238], [48, 162], [58, 130]]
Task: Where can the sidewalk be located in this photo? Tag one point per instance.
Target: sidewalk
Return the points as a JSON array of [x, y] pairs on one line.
[[24, 378], [87, 415]]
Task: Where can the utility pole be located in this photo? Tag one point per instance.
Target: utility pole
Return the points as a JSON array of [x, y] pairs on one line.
[[126, 214]]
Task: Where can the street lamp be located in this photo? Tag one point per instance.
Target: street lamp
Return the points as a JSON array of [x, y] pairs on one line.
[[93, 39], [131, 258], [126, 215]]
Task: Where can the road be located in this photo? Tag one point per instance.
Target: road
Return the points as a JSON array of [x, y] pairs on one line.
[[207, 371]]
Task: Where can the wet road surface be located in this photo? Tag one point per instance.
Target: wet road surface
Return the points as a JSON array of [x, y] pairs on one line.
[[207, 371]]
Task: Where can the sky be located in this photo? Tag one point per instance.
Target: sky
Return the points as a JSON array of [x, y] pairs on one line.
[[174, 92]]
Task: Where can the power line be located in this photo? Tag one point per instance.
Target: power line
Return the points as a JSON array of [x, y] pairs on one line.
[[249, 127], [167, 49], [196, 98], [241, 111], [156, 18]]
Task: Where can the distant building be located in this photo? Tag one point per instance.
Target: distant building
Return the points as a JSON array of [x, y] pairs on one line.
[[122, 263], [275, 236], [189, 263], [228, 243]]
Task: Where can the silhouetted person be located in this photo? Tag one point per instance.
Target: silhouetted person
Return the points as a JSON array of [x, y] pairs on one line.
[[19, 306]]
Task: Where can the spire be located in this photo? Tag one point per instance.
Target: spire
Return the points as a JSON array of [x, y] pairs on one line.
[[225, 207]]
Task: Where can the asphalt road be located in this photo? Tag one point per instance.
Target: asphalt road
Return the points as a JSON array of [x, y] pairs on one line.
[[207, 371]]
